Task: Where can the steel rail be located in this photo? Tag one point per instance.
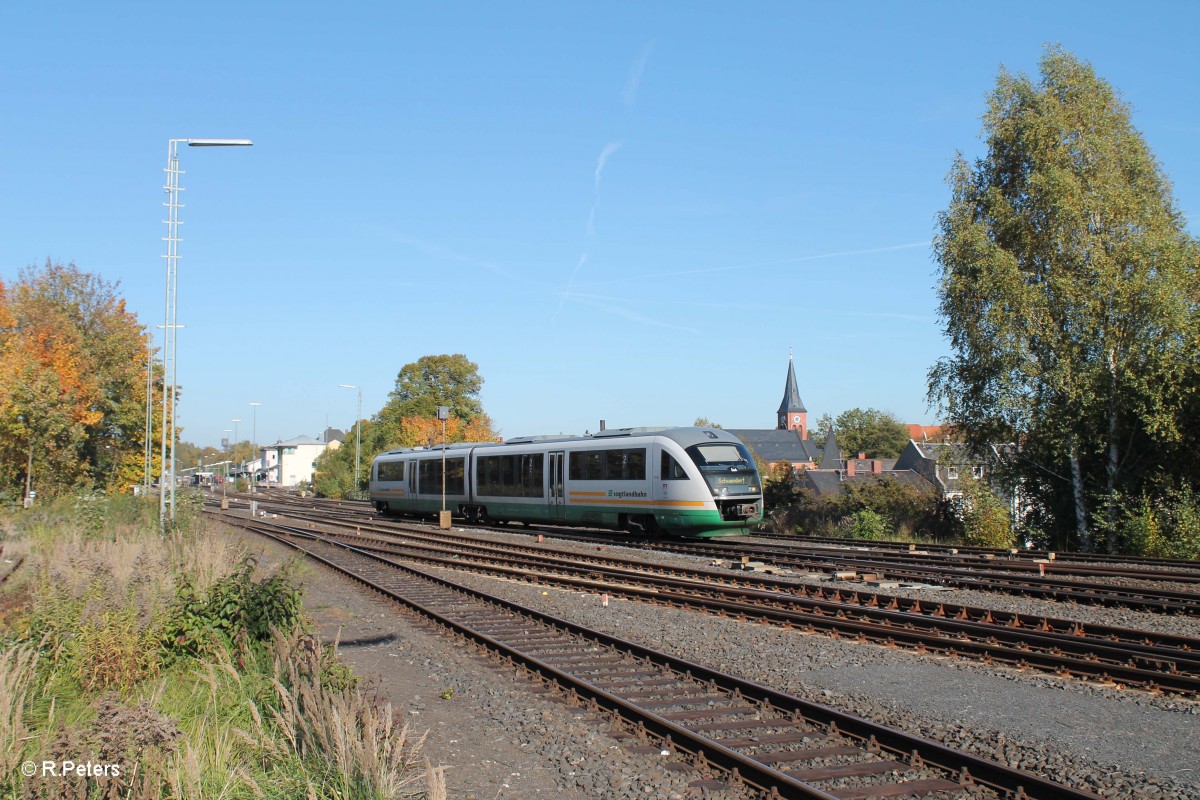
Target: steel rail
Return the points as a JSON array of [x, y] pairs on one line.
[[1036, 586], [1143, 643], [1153, 669], [1064, 655]]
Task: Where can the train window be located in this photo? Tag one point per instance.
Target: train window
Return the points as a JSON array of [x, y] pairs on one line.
[[626, 465], [672, 470], [721, 455], [431, 476], [612, 465], [511, 476], [455, 473], [532, 470], [587, 465], [390, 471]]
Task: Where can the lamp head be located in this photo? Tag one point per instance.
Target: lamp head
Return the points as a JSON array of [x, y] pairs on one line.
[[218, 142]]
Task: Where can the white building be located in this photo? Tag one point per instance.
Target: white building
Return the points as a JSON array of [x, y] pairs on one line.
[[290, 463]]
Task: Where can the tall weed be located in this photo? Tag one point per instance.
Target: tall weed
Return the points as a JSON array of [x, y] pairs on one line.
[[369, 752], [18, 672]]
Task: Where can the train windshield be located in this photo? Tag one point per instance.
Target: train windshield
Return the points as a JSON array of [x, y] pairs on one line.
[[727, 466]]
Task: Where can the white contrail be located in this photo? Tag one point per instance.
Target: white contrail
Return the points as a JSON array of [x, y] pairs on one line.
[[608, 150], [629, 93], [562, 298], [591, 223], [440, 251], [634, 316]]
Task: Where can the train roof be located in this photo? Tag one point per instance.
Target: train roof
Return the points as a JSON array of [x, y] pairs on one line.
[[686, 437]]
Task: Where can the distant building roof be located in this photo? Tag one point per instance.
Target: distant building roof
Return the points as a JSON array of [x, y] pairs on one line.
[[831, 457], [776, 445], [334, 435], [834, 481], [925, 433], [297, 440]]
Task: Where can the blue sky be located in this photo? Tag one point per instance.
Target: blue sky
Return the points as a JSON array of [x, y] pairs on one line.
[[619, 211]]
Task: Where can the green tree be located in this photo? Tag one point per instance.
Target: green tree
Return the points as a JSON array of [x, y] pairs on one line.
[[878, 434], [1068, 290], [410, 419], [704, 422], [432, 381]]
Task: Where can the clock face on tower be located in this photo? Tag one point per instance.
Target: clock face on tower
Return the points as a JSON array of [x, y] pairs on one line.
[[796, 419]]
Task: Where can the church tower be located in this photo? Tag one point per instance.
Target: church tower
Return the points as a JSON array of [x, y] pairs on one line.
[[792, 415]]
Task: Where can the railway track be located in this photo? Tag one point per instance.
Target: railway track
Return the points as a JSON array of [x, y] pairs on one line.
[[1062, 647], [948, 549], [706, 720], [1045, 580]]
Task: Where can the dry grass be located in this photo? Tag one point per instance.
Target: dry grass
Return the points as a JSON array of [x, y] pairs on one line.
[[18, 670], [371, 752], [223, 730]]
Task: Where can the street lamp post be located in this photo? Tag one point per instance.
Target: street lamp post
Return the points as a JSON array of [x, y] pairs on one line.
[[254, 426], [228, 449], [235, 434], [170, 340], [254, 455], [443, 413], [357, 431]]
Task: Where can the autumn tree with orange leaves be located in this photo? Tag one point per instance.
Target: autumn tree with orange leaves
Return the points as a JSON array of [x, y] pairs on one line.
[[72, 384]]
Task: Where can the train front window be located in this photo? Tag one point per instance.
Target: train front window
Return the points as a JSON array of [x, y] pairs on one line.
[[727, 467]]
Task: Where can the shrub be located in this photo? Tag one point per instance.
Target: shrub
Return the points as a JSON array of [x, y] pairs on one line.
[[202, 620], [865, 524], [985, 520], [1163, 527]]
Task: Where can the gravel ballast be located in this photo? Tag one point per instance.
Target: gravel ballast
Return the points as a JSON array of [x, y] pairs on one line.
[[1115, 742], [1120, 744]]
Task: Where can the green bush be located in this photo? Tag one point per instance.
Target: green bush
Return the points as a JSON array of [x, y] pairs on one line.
[[985, 519], [866, 524], [1162, 527], [199, 622]]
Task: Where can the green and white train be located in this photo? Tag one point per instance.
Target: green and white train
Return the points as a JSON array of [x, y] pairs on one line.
[[670, 481]]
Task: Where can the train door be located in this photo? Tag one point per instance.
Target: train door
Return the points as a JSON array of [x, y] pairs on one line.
[[558, 462]]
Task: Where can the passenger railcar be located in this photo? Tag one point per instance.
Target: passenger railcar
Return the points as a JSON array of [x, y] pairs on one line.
[[672, 481]]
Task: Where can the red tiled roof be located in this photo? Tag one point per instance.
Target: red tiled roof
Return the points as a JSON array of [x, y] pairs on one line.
[[925, 433]]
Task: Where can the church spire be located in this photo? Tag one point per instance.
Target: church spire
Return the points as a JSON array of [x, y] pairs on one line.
[[792, 415]]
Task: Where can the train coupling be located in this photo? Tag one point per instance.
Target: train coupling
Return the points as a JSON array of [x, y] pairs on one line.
[[741, 511]]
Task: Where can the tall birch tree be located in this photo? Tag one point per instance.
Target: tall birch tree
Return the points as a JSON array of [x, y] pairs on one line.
[[1068, 289]]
